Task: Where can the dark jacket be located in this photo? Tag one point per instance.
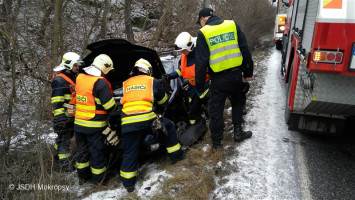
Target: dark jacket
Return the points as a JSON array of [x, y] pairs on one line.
[[202, 56]]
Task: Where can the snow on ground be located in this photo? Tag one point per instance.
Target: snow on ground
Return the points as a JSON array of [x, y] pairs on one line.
[[263, 167]]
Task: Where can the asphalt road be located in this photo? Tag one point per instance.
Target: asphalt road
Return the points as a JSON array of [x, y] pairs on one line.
[[325, 165]]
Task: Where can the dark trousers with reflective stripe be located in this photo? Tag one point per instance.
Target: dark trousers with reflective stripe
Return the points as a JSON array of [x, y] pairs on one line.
[[225, 84], [62, 141], [133, 141], [92, 149]]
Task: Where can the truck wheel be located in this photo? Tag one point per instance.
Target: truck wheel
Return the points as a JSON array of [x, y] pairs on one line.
[[278, 44], [288, 87]]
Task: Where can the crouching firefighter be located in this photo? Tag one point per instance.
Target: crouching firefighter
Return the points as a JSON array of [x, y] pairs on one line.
[[140, 92], [63, 86], [94, 99]]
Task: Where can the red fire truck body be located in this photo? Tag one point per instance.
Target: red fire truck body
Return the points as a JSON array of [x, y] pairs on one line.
[[318, 63]]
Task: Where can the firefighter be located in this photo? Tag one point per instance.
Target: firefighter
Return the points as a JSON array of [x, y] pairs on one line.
[[221, 49], [63, 118], [140, 92], [186, 44], [94, 100]]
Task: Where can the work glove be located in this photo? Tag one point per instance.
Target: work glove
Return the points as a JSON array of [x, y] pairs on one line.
[[111, 137], [159, 128]]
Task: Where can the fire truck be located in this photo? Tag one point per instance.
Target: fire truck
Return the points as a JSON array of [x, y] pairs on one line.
[[281, 10], [318, 65]]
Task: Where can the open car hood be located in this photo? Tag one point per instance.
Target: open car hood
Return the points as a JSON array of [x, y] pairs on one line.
[[124, 55]]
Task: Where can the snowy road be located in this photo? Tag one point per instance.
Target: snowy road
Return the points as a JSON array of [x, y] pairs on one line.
[[280, 164], [265, 163]]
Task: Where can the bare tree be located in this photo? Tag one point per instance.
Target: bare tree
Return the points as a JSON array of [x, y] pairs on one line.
[[128, 21], [163, 21], [57, 27], [103, 32]]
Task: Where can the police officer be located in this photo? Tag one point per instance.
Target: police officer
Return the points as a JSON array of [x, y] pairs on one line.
[[186, 44], [139, 93], [220, 52], [94, 99], [63, 116]]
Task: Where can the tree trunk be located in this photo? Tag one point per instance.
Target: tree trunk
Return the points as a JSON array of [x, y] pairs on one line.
[[163, 21], [128, 21], [56, 32], [103, 31]]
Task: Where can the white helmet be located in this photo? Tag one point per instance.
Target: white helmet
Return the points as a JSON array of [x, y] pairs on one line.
[[142, 66], [185, 41], [104, 63], [68, 61]]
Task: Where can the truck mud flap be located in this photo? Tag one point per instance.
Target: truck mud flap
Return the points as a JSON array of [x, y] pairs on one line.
[[193, 133], [316, 124]]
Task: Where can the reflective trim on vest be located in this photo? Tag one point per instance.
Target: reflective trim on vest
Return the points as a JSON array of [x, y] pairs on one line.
[[128, 175], [174, 148], [141, 106], [222, 41], [88, 123], [57, 99], [82, 165], [98, 171], [137, 89], [67, 97], [138, 118], [85, 102], [63, 155], [58, 111]]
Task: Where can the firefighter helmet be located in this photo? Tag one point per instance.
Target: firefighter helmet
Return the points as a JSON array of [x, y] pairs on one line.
[[185, 41], [104, 63], [142, 66], [68, 61]]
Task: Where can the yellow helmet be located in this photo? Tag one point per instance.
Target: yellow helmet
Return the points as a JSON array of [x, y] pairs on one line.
[[104, 63]]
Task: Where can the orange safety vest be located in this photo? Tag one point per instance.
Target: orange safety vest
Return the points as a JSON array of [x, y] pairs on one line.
[[71, 104], [137, 95], [85, 101], [188, 72]]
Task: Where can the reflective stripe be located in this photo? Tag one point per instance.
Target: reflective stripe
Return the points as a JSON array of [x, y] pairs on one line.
[[98, 171], [80, 106], [58, 111], [204, 93], [63, 155], [57, 99], [82, 165], [55, 146], [226, 57], [138, 118], [97, 100], [67, 96], [109, 104], [192, 121], [224, 48], [174, 148], [190, 99], [163, 100], [128, 175], [178, 72], [136, 107], [87, 123]]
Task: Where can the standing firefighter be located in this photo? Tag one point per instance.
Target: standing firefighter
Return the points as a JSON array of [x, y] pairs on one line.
[[140, 92], [63, 85], [94, 100], [220, 52]]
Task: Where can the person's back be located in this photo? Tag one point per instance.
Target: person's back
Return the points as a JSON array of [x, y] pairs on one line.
[[137, 115]]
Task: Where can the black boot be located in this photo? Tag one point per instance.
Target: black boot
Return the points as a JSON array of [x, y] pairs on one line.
[[216, 144], [240, 135]]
